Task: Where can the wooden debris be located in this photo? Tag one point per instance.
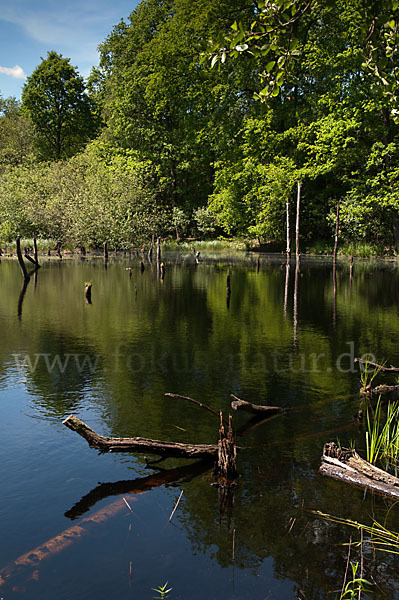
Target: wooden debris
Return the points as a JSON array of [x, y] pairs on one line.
[[378, 390], [200, 404], [346, 465], [138, 444], [382, 368], [225, 468], [239, 404], [88, 287], [175, 506]]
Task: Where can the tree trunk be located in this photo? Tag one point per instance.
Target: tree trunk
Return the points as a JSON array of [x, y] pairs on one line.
[[21, 260], [138, 444]]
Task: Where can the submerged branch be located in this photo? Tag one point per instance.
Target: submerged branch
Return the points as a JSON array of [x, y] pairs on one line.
[[239, 404]]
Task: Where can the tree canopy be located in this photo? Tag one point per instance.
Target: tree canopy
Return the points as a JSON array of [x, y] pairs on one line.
[[55, 98], [310, 96]]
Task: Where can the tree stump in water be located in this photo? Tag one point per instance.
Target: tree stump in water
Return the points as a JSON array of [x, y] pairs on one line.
[[225, 468], [88, 287]]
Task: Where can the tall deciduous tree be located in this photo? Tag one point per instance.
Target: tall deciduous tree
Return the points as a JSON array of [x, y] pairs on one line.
[[55, 98], [16, 134]]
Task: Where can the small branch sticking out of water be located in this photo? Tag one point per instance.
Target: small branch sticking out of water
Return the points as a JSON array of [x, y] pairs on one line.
[[176, 505]]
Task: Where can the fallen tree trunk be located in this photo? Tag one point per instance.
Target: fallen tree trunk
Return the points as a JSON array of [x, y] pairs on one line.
[[138, 444], [346, 465], [257, 409]]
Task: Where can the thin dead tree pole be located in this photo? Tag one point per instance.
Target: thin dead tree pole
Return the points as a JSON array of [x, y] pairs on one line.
[[336, 235], [298, 206]]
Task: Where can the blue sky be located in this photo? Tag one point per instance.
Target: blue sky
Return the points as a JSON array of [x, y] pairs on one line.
[[30, 28]]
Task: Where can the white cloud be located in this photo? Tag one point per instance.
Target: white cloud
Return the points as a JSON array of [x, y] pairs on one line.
[[76, 27], [16, 72]]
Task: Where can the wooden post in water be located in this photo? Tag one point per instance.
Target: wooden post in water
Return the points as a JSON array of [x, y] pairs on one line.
[[105, 250], [21, 260], [336, 235], [228, 291], [298, 205], [88, 287]]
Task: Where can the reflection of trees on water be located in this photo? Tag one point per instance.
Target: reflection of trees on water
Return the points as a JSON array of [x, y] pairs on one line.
[[178, 337], [62, 373], [268, 501]]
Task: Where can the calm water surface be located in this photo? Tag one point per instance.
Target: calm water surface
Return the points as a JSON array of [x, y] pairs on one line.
[[111, 362]]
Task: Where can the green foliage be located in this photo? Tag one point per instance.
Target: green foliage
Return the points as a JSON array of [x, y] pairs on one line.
[[355, 586], [195, 140], [162, 591], [93, 197], [55, 99], [180, 221], [204, 221], [382, 438], [378, 536], [16, 135]]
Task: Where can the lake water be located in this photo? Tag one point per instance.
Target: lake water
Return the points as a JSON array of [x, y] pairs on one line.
[[111, 362]]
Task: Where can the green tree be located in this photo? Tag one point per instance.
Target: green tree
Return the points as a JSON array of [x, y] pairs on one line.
[[55, 98], [16, 134], [159, 101]]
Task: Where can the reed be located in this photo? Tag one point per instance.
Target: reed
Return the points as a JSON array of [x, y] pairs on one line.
[[382, 437]]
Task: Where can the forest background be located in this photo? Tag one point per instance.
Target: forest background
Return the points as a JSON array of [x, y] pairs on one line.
[[200, 120]]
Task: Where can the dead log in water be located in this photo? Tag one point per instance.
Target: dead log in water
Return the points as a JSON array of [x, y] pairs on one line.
[[256, 409], [139, 444], [346, 465]]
